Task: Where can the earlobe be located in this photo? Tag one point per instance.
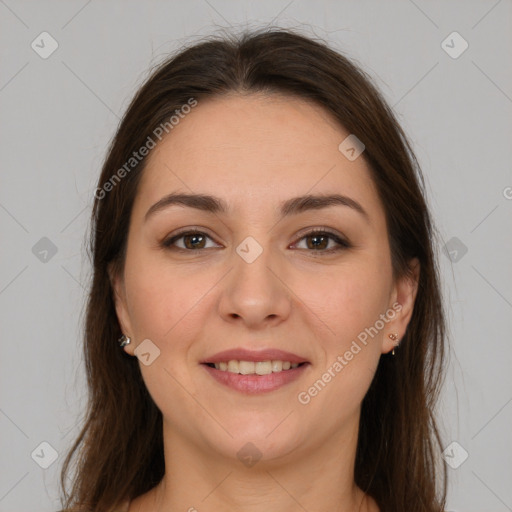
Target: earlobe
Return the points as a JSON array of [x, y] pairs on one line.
[[404, 298], [119, 297], [394, 338]]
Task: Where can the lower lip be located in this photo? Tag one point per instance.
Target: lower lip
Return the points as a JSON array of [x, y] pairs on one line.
[[252, 384]]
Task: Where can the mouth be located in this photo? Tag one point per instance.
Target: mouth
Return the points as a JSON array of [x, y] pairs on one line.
[[251, 372], [254, 367]]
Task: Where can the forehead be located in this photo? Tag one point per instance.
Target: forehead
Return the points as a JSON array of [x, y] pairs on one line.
[[253, 149]]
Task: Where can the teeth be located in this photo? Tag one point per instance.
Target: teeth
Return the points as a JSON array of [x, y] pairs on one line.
[[246, 367], [263, 367], [252, 368], [233, 366], [277, 366]]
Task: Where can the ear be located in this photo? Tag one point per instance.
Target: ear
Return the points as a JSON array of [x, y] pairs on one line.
[[403, 297], [119, 292]]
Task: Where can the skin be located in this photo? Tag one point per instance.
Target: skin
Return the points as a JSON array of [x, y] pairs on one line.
[[255, 151]]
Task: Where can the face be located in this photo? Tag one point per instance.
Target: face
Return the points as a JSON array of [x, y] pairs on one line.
[[259, 274]]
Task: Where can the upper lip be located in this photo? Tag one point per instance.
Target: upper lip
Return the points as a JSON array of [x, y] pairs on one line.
[[242, 354]]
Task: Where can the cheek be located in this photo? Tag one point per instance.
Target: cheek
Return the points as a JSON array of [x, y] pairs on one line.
[[161, 298], [349, 299], [350, 304], [164, 308]]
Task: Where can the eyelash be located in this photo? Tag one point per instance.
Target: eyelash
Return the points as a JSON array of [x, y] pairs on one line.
[[342, 244]]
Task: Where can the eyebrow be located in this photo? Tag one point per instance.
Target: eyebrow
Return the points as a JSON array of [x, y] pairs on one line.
[[293, 206]]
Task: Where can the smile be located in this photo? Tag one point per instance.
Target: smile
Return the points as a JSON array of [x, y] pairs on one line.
[[251, 382], [253, 368]]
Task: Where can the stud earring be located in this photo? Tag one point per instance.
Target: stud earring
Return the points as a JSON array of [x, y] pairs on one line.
[[124, 340], [394, 337]]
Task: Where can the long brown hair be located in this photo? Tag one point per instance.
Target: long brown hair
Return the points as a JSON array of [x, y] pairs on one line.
[[118, 454]]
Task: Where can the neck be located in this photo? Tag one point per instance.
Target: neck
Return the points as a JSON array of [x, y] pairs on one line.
[[198, 479]]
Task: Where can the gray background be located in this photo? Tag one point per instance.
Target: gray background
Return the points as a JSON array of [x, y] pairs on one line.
[[58, 115]]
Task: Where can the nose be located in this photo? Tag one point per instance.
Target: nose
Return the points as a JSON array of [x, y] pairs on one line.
[[255, 293]]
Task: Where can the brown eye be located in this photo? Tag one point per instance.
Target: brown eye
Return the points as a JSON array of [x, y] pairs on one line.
[[191, 240], [194, 241], [318, 241]]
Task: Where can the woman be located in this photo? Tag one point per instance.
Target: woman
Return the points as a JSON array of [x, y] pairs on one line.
[[265, 328]]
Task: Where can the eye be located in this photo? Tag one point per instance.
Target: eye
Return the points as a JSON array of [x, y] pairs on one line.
[[192, 240], [318, 240]]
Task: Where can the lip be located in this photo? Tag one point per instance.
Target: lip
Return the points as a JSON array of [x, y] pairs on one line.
[[242, 354], [255, 384]]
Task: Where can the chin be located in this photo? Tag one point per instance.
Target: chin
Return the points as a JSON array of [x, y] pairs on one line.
[[266, 440]]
